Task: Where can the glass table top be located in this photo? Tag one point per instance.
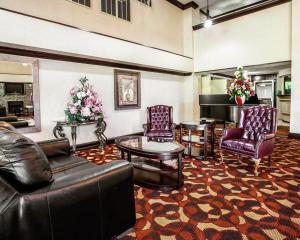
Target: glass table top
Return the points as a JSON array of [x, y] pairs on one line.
[[142, 144]]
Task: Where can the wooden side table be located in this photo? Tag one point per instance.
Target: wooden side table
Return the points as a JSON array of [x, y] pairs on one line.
[[190, 139]]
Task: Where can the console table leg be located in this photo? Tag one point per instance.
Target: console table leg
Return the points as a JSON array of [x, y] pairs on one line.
[[101, 126], [74, 137], [58, 130]]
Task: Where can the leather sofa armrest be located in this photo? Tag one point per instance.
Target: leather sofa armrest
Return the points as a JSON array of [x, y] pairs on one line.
[[98, 201], [264, 137], [104, 191], [8, 195], [232, 133], [56, 147]]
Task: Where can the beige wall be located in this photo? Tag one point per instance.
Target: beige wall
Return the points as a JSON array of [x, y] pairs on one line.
[[257, 38], [295, 98], [211, 85], [15, 68], [159, 26]]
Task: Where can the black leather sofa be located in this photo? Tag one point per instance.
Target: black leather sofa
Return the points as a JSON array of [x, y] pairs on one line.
[[47, 193]]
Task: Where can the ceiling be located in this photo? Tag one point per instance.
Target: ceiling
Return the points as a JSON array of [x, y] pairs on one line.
[[271, 68], [221, 6]]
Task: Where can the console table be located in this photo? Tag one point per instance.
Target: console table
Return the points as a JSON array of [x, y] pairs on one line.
[[58, 131]]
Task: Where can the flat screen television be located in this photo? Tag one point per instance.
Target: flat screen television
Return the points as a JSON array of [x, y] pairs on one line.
[[287, 85], [14, 88]]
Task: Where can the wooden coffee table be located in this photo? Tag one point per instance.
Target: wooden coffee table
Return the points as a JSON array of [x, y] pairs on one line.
[[149, 161]]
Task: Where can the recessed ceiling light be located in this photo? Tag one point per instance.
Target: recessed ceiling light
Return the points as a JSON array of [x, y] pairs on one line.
[[25, 64], [208, 23]]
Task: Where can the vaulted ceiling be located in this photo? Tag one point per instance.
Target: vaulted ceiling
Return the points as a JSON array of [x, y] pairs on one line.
[[221, 6]]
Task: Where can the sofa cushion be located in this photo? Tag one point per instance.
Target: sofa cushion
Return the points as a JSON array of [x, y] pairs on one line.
[[240, 144], [9, 119], [22, 162], [160, 133]]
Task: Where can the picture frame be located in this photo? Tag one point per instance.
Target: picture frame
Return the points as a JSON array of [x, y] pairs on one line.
[[127, 86]]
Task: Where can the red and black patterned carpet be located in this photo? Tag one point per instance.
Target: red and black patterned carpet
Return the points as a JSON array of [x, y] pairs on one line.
[[222, 201]]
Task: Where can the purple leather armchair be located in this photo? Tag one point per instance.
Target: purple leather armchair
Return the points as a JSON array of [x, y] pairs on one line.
[[160, 126], [255, 135]]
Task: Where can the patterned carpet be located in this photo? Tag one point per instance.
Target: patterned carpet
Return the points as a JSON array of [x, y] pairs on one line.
[[222, 201]]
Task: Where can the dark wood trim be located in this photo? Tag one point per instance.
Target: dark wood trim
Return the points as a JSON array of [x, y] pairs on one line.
[[182, 6], [191, 4], [20, 50], [98, 33], [294, 135], [109, 141], [240, 12], [215, 71]]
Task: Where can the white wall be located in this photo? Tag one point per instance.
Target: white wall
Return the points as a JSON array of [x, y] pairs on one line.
[[32, 32], [57, 78], [257, 38], [295, 99]]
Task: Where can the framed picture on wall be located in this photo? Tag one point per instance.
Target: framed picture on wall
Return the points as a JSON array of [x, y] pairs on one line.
[[127, 90]]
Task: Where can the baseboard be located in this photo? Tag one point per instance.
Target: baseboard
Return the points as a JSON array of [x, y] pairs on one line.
[[294, 135], [109, 141]]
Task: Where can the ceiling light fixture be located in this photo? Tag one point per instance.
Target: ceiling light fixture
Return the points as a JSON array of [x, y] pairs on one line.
[[208, 21]]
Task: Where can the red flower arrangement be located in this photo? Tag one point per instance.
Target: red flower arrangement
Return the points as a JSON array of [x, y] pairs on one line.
[[242, 88]]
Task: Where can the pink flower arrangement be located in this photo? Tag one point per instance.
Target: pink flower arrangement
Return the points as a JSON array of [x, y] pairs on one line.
[[84, 104], [242, 87]]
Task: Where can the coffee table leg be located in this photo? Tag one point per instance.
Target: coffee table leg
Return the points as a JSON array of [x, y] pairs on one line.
[[180, 139], [122, 155], [205, 143], [161, 180], [129, 156], [212, 139], [179, 170]]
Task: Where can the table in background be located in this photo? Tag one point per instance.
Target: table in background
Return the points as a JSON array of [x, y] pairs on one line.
[[190, 139], [150, 169], [58, 131]]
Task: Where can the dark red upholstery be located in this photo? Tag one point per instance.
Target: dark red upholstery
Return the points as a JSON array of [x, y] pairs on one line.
[[160, 126], [255, 136]]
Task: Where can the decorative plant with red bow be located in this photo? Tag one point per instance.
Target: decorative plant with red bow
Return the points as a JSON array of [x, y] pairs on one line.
[[242, 87]]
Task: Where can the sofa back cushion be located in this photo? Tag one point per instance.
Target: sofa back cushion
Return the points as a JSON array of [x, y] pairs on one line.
[[258, 120], [160, 117], [22, 162]]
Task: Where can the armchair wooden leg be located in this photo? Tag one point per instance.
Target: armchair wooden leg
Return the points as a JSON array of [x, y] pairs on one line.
[[239, 158], [256, 165], [221, 155], [270, 160]]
